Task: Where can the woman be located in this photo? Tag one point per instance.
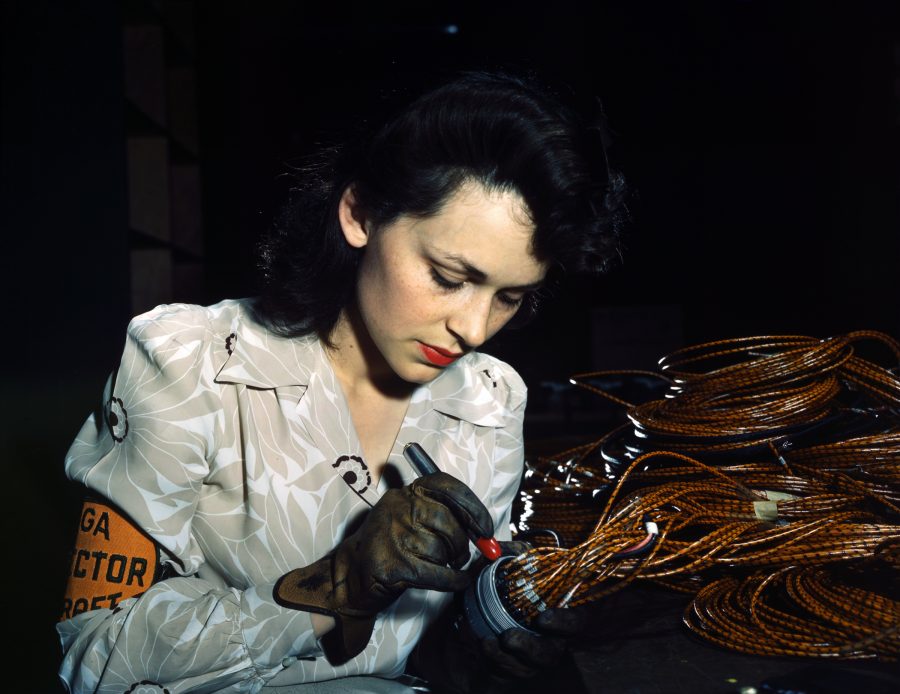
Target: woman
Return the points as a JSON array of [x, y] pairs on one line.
[[258, 444]]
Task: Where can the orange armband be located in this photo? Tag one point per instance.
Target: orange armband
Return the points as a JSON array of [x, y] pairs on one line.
[[112, 560]]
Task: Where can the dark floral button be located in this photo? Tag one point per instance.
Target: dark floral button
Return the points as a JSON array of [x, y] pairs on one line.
[[229, 343], [117, 419], [354, 472]]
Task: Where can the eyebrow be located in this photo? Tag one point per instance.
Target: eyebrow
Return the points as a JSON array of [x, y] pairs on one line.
[[481, 276]]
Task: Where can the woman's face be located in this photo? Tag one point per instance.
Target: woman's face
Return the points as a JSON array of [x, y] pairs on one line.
[[429, 290]]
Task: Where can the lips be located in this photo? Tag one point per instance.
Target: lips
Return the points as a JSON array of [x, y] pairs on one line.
[[437, 355]]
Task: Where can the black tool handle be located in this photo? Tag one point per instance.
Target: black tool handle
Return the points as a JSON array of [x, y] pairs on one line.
[[419, 459]]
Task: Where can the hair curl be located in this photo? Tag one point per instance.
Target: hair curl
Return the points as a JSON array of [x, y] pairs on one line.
[[502, 131]]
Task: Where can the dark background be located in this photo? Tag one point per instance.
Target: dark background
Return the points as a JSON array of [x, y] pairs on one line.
[[761, 140]]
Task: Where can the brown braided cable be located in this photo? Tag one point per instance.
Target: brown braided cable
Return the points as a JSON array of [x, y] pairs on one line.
[[702, 444], [827, 500], [707, 504], [822, 617], [753, 543], [750, 395]]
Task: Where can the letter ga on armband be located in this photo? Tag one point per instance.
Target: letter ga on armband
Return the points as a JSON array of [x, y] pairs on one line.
[[112, 560]]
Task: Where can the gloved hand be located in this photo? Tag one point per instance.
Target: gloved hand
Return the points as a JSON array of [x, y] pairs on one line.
[[454, 660], [516, 653], [407, 540]]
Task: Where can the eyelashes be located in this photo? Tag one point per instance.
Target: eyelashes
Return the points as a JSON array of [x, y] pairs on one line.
[[450, 285], [443, 282]]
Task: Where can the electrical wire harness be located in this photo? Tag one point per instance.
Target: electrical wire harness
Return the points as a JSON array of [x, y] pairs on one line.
[[764, 483]]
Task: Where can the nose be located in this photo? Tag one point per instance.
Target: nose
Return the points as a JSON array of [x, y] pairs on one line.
[[470, 321]]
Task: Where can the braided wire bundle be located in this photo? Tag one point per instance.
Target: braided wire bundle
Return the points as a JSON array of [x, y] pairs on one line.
[[552, 498], [798, 611], [754, 492], [672, 532], [756, 390]]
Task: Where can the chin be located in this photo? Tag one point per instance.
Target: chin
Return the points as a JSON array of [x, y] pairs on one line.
[[419, 374]]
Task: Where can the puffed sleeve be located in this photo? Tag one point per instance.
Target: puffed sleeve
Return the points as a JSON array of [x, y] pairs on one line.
[[147, 450]]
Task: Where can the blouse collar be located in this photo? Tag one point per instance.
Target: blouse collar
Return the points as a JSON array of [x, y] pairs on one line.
[[468, 390]]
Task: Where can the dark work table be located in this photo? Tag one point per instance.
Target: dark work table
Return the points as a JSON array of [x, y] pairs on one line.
[[638, 645], [644, 648]]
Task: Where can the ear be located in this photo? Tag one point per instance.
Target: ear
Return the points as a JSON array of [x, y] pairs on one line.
[[352, 221]]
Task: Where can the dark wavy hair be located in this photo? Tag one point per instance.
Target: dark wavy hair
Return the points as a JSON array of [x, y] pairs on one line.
[[502, 131]]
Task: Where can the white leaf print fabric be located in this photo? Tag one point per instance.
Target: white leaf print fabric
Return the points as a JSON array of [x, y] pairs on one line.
[[235, 450]]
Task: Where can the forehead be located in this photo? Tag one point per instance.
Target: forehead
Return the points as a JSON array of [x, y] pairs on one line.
[[489, 229]]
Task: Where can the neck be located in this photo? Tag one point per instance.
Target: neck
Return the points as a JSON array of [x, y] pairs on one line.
[[358, 363]]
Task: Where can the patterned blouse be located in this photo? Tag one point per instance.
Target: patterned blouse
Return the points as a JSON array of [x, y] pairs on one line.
[[234, 450]]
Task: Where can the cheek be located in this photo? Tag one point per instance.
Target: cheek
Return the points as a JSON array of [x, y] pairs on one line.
[[414, 302], [392, 297]]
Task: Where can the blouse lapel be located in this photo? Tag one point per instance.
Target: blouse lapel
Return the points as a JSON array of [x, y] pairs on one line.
[[324, 412], [444, 416], [453, 418]]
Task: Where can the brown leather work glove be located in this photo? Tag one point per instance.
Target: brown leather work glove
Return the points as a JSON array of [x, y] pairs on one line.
[[407, 540], [519, 654]]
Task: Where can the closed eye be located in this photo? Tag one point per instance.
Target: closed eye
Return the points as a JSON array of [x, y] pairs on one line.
[[508, 300], [443, 282]]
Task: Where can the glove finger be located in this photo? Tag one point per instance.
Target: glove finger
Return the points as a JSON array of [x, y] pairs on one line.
[[433, 546], [538, 651], [506, 662], [461, 500], [507, 549], [563, 621], [438, 520]]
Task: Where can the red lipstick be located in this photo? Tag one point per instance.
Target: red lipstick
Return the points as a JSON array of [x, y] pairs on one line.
[[437, 355]]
